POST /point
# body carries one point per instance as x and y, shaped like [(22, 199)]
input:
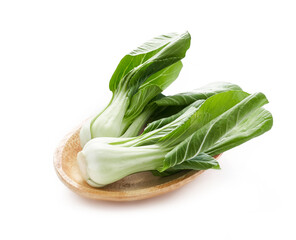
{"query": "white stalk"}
[(110, 122), (102, 163)]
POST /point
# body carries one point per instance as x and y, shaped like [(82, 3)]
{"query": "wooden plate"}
[(134, 187)]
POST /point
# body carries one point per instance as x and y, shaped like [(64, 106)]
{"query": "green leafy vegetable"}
[(138, 79), (188, 140)]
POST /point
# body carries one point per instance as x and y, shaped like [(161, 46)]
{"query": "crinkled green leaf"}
[(153, 86), (219, 126), (202, 161), (164, 121), (200, 93), (257, 123), (138, 56), (170, 54)]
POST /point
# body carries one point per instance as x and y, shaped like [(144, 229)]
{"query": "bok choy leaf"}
[(186, 98)]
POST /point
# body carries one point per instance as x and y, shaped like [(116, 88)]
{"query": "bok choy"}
[(186, 140), (138, 79)]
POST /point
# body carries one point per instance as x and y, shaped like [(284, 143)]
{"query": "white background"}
[(56, 59)]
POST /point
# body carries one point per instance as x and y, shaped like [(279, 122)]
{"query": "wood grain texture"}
[(134, 187)]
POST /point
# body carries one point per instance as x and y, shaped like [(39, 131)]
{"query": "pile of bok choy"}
[(183, 131)]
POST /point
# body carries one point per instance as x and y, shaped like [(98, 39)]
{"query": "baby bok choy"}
[(186, 140), (140, 76)]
